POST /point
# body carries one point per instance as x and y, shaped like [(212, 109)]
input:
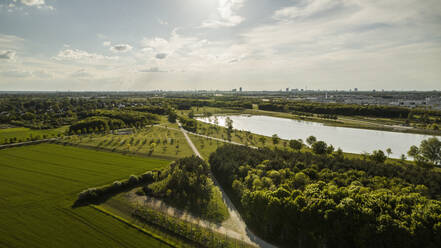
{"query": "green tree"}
[(389, 152), (430, 149), (295, 144), (275, 139), (311, 140), (378, 156), (172, 116), (319, 147), (229, 123)]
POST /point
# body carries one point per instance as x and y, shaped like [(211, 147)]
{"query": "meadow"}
[(39, 185), (152, 141), (21, 134)]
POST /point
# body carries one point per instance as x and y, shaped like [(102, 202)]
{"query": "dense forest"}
[(305, 199)]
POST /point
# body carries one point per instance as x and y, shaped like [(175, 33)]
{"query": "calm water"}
[(349, 139)]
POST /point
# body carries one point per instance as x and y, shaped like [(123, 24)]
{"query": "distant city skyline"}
[(140, 45)]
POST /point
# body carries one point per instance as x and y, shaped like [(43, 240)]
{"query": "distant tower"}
[(287, 89), (240, 89), (355, 89)]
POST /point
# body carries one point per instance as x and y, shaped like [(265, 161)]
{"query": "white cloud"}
[(32, 2), (162, 22), (82, 56), (152, 69), (81, 73), (40, 4), (7, 54), (10, 42), (227, 14), (16, 74), (161, 55), (121, 48)]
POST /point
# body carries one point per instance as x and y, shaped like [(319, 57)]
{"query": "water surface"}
[(352, 140)]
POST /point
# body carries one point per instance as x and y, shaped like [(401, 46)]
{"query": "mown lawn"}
[(22, 134), (38, 185)]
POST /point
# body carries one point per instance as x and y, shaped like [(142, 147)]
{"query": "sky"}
[(110, 45)]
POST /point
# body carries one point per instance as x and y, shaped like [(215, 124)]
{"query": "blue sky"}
[(220, 44)]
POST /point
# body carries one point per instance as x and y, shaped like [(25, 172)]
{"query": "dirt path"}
[(235, 217), (159, 205), (27, 143), (204, 136)]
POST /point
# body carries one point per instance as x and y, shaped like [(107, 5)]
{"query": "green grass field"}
[(40, 183), (24, 134), (165, 142)]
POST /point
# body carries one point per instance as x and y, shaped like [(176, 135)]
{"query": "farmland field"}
[(23, 133), (39, 184)]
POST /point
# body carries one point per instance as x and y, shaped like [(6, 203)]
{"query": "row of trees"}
[(94, 195), (329, 110), (96, 124), (303, 199)]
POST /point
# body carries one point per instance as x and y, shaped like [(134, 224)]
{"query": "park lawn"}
[(39, 184), (165, 140), (238, 136), (24, 134)]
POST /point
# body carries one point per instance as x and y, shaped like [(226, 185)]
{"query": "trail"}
[(204, 136), (27, 143), (247, 235)]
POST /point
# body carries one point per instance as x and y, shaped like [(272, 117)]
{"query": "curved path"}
[(247, 234)]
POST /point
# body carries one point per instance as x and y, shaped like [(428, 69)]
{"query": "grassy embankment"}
[(39, 185), (22, 134)]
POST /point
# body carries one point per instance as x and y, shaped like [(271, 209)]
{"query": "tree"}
[(378, 156), (172, 116), (229, 123), (262, 140), (413, 152), (191, 114), (275, 139), (389, 152), (295, 144), (430, 149), (311, 140), (319, 147)]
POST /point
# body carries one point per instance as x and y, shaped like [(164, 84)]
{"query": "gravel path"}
[(235, 217)]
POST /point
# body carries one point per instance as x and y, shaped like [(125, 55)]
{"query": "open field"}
[(21, 134), (39, 185), (153, 141)]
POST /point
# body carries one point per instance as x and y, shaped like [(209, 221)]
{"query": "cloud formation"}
[(7, 54), (121, 48), (227, 14), (161, 55), (152, 69), (32, 2), (80, 55)]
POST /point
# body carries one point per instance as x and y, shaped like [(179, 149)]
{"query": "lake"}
[(351, 140)]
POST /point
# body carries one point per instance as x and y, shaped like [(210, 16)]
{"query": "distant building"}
[(287, 89), (234, 90), (355, 89), (240, 89)]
